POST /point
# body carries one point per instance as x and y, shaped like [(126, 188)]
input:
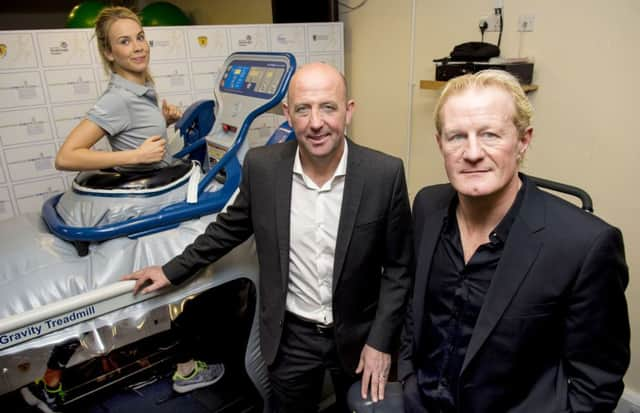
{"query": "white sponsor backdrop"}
[(50, 78)]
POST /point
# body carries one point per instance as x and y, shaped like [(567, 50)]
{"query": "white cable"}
[(192, 186)]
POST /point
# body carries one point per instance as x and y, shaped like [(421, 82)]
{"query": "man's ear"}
[(285, 109), (524, 141), (438, 141), (351, 106)]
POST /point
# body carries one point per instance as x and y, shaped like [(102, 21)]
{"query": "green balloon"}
[(163, 13), (84, 14)]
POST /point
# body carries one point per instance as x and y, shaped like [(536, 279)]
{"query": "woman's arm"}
[(76, 153)]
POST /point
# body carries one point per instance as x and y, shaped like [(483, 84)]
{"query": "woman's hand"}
[(171, 113), (152, 150)]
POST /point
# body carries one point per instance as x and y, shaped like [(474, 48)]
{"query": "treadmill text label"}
[(46, 326)]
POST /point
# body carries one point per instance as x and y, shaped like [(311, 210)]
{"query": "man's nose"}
[(473, 150), (315, 121)]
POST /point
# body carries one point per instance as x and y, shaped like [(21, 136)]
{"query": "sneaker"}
[(39, 395), (203, 375)]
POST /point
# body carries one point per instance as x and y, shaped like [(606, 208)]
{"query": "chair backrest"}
[(585, 199)]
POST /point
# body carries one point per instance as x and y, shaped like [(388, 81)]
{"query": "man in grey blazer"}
[(519, 301), (332, 222)]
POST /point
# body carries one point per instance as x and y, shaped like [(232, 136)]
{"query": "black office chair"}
[(584, 197), (392, 402)]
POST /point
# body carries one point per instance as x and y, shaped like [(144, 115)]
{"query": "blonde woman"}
[(128, 112)]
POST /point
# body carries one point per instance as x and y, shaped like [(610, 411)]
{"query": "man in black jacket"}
[(331, 221), (519, 301)]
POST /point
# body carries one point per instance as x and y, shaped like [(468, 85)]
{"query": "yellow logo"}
[(202, 41), (3, 50)]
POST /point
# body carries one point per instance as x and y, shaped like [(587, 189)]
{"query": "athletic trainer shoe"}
[(39, 395), (203, 375)]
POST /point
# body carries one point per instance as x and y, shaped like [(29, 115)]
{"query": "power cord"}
[(483, 28), (498, 12)]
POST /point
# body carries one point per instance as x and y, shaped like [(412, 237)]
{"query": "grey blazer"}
[(553, 333), (371, 275)]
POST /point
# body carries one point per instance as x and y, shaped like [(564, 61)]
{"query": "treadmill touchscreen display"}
[(253, 78)]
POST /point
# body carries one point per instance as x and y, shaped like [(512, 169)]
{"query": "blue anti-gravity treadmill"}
[(251, 84), (51, 282)]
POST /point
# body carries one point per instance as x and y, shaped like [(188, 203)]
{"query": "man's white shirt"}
[(315, 216)]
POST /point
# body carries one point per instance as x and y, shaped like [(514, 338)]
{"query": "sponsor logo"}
[(247, 41), (159, 43), (62, 48)]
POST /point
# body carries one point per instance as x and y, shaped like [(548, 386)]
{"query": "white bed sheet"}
[(37, 268)]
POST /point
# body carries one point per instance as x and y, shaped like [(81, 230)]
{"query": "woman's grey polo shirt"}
[(129, 114)]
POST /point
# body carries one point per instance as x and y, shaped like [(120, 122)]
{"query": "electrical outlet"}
[(526, 23), (493, 23)]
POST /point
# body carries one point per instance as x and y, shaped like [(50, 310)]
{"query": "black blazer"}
[(553, 333), (371, 275)]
